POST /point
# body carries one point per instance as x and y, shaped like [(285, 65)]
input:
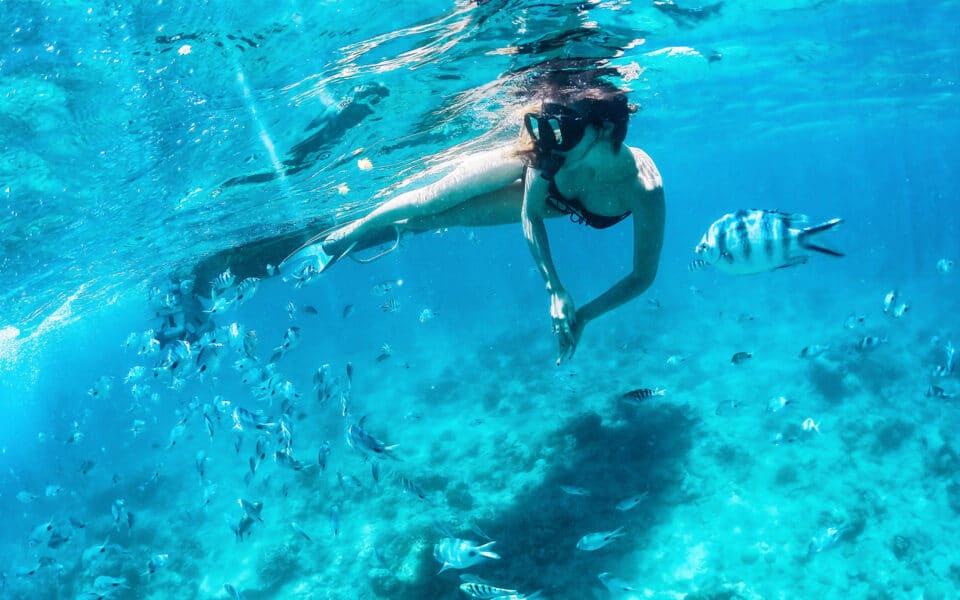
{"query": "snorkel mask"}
[(556, 128)]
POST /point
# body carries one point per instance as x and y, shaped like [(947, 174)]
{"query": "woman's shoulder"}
[(647, 173)]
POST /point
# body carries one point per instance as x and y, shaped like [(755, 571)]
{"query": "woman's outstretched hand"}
[(566, 326)]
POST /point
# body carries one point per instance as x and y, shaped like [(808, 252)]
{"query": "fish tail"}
[(817, 229), (488, 553)]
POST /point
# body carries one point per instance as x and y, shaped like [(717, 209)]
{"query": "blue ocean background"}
[(141, 139)]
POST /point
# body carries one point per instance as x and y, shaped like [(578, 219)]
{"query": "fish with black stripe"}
[(756, 241), (484, 591)]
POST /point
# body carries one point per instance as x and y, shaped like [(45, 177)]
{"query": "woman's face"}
[(594, 137)]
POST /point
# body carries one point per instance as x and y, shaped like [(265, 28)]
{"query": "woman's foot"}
[(339, 241)]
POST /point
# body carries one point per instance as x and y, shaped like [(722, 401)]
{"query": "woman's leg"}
[(494, 208), (500, 207)]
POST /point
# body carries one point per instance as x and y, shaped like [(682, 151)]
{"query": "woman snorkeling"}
[(570, 161)]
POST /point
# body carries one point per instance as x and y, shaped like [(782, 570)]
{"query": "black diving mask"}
[(556, 128)]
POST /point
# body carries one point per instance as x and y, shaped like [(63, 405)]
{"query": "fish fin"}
[(816, 229), (821, 249), (312, 252), (794, 261), (444, 568), (618, 532)]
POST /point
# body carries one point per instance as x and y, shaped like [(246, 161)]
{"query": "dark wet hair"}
[(588, 93)]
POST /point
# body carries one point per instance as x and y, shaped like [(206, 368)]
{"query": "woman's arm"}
[(648, 222), (531, 216), (562, 310)]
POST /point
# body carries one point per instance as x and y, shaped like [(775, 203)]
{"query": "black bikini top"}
[(577, 212)]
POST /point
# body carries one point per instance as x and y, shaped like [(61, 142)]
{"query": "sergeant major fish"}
[(484, 591), (639, 395), (756, 241), (455, 553)]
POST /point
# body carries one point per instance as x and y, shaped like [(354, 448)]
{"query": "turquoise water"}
[(141, 140)]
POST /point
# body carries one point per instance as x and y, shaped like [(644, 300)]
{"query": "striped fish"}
[(483, 591), (755, 241)]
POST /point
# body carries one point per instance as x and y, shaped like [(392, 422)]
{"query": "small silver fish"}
[(825, 539), (348, 483), (456, 553), (335, 519), (201, 464), (243, 418), (384, 287), (869, 342), (410, 487), (631, 502), (322, 384), (675, 360), (251, 509), (156, 562), (935, 391), (614, 584), (366, 444), (741, 357), (813, 351), (208, 424), (777, 404), (286, 460), (105, 583), (595, 541), (889, 300), (323, 455), (26, 497), (301, 531), (243, 527), (944, 265), (854, 321), (574, 490), (291, 339)]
